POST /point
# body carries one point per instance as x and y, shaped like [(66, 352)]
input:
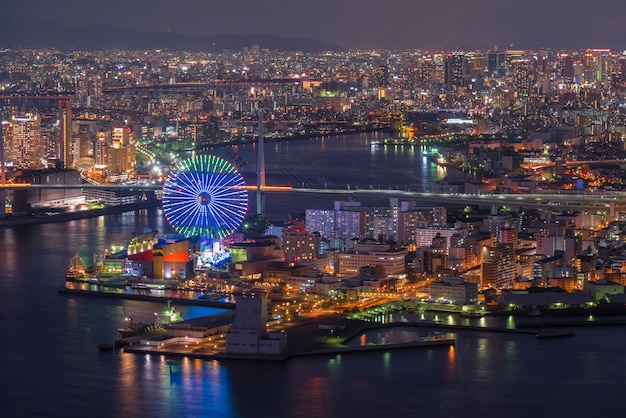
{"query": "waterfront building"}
[(602, 290), (454, 289), (23, 145), (248, 333), (159, 260), (535, 300), (27, 201)]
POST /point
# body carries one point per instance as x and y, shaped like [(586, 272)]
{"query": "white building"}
[(321, 220), (424, 236), (393, 261), (454, 289), (248, 334)]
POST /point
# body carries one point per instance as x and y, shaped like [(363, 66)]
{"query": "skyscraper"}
[(22, 141), (498, 267), (454, 69), (65, 131), (496, 63)]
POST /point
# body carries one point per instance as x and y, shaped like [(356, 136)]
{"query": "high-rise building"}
[(65, 131), (567, 65), (410, 218), (321, 220), (22, 141), (382, 76), (454, 69), (121, 154), (496, 63), (521, 78), (301, 247), (498, 266), (508, 235), (84, 147)]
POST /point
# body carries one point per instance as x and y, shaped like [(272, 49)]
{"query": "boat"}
[(541, 335), (167, 317), (77, 270), (133, 328)]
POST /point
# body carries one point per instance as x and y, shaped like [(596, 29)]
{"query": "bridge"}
[(608, 202)]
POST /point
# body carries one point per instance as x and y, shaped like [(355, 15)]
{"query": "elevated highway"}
[(610, 202)]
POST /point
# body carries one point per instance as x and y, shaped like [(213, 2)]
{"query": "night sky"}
[(401, 24)]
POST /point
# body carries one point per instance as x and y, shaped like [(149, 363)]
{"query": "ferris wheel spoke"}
[(216, 216), (182, 215)]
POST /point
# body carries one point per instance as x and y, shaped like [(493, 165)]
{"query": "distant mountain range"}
[(31, 33)]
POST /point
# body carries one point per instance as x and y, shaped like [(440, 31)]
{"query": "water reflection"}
[(451, 368)]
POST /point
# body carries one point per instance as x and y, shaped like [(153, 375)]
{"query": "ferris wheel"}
[(205, 197)]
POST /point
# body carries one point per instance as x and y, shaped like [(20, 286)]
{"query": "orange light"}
[(15, 185)]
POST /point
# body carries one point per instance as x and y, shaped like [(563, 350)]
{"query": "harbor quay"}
[(326, 334), (305, 337), (320, 333)]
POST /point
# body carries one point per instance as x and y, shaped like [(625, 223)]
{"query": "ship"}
[(133, 328), (77, 270)]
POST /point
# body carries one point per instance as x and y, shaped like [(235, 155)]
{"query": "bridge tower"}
[(3, 179), (260, 174)]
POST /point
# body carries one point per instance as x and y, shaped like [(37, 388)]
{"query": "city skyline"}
[(358, 25)]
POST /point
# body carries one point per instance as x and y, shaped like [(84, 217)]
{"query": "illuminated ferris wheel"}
[(205, 197)]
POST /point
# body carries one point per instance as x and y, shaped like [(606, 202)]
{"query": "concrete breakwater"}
[(147, 298)]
